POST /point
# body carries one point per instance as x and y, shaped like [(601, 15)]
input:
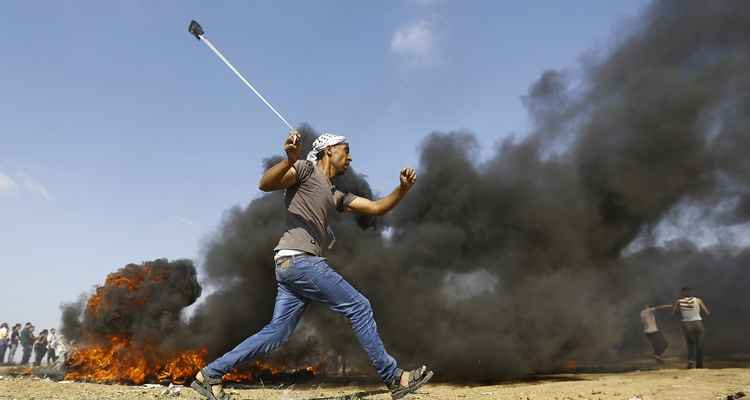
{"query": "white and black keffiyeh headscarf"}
[(323, 141)]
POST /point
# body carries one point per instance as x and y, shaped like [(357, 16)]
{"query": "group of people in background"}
[(691, 310), (46, 343)]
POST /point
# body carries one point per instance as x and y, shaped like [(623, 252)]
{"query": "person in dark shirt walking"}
[(27, 342), (15, 340), (40, 347)]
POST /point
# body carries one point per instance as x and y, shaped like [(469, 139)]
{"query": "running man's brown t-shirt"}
[(308, 203)]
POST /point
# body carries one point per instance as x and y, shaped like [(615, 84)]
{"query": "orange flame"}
[(119, 361), (116, 358)]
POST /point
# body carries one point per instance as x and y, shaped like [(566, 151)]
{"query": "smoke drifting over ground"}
[(546, 251)]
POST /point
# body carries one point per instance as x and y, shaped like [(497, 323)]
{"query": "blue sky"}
[(123, 139)]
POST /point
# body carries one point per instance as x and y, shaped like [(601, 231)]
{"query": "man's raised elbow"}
[(264, 187)]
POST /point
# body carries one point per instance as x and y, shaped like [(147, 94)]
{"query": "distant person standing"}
[(689, 308), (15, 340), (4, 336), (27, 342), (52, 343), (61, 349), (40, 347), (652, 332)]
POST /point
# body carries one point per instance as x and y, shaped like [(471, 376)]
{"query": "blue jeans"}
[(12, 352), (299, 281)]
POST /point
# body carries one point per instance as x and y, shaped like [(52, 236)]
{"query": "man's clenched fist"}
[(293, 146), (408, 177)]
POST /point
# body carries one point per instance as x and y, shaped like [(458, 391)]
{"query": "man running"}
[(690, 309), (303, 274), (652, 332)]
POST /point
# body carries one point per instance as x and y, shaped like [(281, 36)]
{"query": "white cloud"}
[(33, 186), (37, 188), (414, 40), (6, 183)]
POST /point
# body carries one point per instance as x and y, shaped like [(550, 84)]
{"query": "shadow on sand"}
[(353, 396), (533, 379)]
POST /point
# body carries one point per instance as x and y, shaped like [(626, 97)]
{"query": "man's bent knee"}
[(362, 308)]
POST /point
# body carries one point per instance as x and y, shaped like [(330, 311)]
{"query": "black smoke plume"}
[(139, 302), (546, 251)]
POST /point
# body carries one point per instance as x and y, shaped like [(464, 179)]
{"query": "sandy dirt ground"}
[(667, 383)]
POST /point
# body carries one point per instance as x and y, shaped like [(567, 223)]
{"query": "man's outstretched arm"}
[(282, 175), (408, 178)]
